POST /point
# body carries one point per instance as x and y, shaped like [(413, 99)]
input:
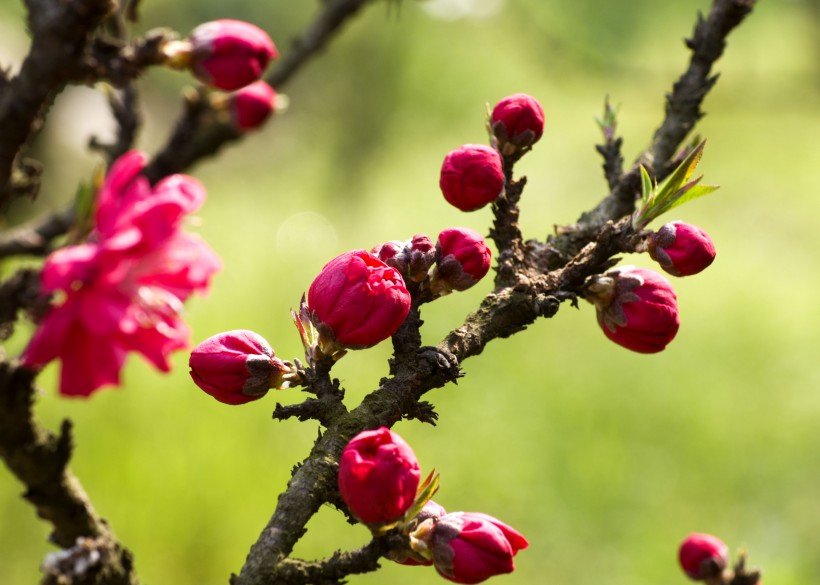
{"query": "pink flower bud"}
[(517, 122), (251, 106), (235, 367), (472, 176), (637, 308), (229, 54), (469, 547), (378, 476), (682, 249), (462, 259), (703, 556), (358, 300)]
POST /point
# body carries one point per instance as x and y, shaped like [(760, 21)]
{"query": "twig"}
[(200, 133), (683, 110), (36, 239)]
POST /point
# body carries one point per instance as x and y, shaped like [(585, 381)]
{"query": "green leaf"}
[(646, 185), (675, 190)]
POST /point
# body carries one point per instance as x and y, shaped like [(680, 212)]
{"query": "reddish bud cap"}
[(462, 258), (703, 556), (358, 300), (472, 176), (251, 106), (517, 122), (637, 308), (470, 547), (229, 54), (682, 249), (235, 367), (378, 476)]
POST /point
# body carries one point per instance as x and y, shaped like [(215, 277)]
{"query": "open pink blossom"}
[(123, 289)]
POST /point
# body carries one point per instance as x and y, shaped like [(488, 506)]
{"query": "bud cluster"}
[(230, 55), (473, 175), (379, 480), (636, 307)]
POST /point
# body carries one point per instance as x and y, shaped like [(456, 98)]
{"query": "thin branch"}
[(683, 110), (36, 239), (334, 14), (200, 133)]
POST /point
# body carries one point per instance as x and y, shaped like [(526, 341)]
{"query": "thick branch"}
[(61, 33), (539, 280), (40, 460)]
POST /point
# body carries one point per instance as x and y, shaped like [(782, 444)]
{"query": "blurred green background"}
[(603, 458)]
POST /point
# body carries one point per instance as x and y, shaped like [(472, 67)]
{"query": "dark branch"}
[(36, 239), (533, 280), (200, 133), (683, 110), (61, 32), (39, 459)]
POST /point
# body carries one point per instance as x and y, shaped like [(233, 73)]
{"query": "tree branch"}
[(534, 278), (40, 460), (683, 110), (61, 32), (200, 133)]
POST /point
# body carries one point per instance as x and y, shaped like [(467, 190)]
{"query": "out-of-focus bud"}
[(378, 476), (636, 307), (517, 122), (703, 556), (236, 367), (462, 259), (682, 249), (472, 176), (251, 106), (470, 547), (419, 555), (229, 54), (357, 301)]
